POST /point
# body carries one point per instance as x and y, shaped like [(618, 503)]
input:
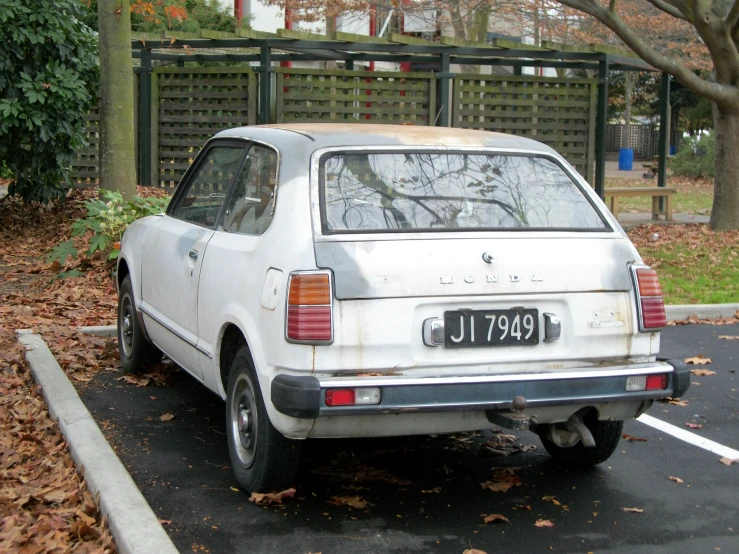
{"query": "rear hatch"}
[(499, 248)]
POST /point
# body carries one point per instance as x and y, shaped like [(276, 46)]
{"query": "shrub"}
[(695, 157), (109, 216), (48, 65)]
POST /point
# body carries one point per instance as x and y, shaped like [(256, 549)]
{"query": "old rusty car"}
[(337, 280)]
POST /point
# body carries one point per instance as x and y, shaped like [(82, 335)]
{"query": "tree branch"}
[(732, 16), (721, 94), (669, 9)]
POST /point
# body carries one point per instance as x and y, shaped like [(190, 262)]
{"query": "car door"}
[(175, 251)]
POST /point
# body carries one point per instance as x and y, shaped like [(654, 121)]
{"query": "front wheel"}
[(135, 350), (262, 458), (606, 435)]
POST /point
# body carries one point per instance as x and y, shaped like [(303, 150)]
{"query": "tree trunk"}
[(117, 157), (725, 212)]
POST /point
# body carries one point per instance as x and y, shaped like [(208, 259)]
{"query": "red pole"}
[(238, 11), (288, 25), (373, 29)]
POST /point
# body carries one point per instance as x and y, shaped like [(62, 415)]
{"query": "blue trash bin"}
[(625, 159), (672, 150)]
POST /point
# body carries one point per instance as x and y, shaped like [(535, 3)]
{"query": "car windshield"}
[(435, 191)]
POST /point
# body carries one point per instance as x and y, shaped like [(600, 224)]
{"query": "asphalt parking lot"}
[(423, 494)]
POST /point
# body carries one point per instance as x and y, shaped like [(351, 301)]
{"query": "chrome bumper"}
[(304, 396)]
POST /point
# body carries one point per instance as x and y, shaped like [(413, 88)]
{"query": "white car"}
[(337, 280)]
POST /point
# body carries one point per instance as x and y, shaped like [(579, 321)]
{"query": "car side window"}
[(251, 205), (206, 192)]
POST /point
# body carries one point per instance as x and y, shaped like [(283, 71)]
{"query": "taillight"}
[(649, 299), (309, 315)]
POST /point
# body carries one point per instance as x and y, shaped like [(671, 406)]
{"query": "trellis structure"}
[(179, 107)]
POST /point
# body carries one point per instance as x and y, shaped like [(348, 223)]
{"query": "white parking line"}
[(687, 436)]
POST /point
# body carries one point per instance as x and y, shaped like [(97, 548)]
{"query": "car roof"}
[(315, 136)]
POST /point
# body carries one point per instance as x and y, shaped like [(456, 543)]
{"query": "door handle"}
[(193, 254)]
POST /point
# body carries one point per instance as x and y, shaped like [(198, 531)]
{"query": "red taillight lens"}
[(340, 397), (651, 305), (656, 382), (308, 317), (309, 323)]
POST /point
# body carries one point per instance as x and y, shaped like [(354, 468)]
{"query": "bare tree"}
[(715, 24)]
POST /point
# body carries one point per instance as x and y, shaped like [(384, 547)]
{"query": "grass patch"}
[(695, 264), (694, 196)]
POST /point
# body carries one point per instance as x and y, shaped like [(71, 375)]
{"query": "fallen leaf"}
[(698, 360), (352, 501), (544, 523), (166, 417), (729, 337), (474, 551), (436, 490), (676, 479), (271, 497), (631, 438), (702, 372), (165, 522), (694, 425), (676, 402), (495, 518), (728, 461), (634, 510), (496, 486)]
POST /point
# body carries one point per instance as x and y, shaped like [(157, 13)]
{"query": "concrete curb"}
[(702, 311), (100, 330), (132, 522)]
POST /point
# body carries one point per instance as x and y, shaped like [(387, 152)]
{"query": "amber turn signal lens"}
[(648, 282), (309, 290)]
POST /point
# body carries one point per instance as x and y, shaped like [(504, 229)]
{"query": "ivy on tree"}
[(48, 72)]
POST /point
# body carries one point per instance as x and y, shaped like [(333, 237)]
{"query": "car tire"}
[(136, 351), (262, 458), (606, 435)]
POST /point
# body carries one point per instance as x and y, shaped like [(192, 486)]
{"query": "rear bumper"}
[(304, 396)]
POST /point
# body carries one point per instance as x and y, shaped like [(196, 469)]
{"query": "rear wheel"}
[(135, 350), (606, 435), (262, 458)]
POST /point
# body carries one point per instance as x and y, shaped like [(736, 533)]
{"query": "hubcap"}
[(243, 418)]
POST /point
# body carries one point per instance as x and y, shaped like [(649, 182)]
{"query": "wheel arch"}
[(232, 339)]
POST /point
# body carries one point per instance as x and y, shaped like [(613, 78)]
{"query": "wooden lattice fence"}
[(557, 111), (314, 95), (189, 106), (86, 166)]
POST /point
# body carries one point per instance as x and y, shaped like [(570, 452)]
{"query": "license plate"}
[(516, 326)]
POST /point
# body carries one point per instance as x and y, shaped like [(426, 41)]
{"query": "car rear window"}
[(441, 191)]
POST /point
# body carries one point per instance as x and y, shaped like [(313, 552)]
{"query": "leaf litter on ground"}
[(44, 503)]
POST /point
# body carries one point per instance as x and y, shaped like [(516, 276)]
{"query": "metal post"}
[(444, 76), (265, 84), (664, 115), (600, 133), (145, 119)]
